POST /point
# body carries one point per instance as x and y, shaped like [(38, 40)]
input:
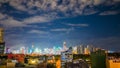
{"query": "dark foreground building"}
[(98, 59)]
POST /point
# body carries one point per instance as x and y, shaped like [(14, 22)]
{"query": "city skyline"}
[(50, 23)]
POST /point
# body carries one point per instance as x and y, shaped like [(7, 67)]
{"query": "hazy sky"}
[(48, 23)]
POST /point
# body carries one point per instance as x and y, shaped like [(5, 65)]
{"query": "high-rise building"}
[(98, 59), (22, 50), (32, 48), (2, 43), (1, 35), (74, 50), (91, 48), (64, 46), (80, 49), (86, 50)]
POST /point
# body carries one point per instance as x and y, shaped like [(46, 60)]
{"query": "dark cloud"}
[(66, 7)]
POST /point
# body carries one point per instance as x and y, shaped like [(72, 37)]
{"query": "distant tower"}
[(32, 48), (80, 49), (64, 46), (87, 50), (2, 43), (23, 50)]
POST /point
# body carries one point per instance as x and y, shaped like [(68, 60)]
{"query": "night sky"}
[(48, 23)]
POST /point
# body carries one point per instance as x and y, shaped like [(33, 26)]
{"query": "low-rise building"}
[(113, 60)]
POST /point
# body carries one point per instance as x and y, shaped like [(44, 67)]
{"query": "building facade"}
[(113, 60), (2, 43), (98, 59), (80, 49)]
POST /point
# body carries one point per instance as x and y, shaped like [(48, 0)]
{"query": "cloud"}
[(36, 19), (65, 7), (3, 1), (9, 21), (38, 32), (90, 11), (67, 30), (55, 10), (79, 25), (2, 16), (61, 29), (116, 0), (17, 4), (109, 13), (98, 2)]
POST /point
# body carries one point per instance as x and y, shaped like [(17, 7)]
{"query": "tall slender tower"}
[(2, 43), (64, 46), (32, 48)]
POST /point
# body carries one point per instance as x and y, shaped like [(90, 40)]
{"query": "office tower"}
[(26, 50), (2, 43), (22, 50), (89, 48), (80, 49), (32, 49), (64, 46), (86, 50), (74, 50)]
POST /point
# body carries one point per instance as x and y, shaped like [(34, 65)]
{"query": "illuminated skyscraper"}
[(80, 49), (86, 50), (64, 46), (22, 49), (74, 50), (90, 48), (32, 49), (2, 43)]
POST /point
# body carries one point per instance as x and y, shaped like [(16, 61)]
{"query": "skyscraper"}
[(64, 46), (75, 50), (1, 35), (80, 49), (32, 48), (2, 43)]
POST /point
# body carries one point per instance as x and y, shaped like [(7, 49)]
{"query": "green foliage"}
[(81, 56), (51, 65)]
